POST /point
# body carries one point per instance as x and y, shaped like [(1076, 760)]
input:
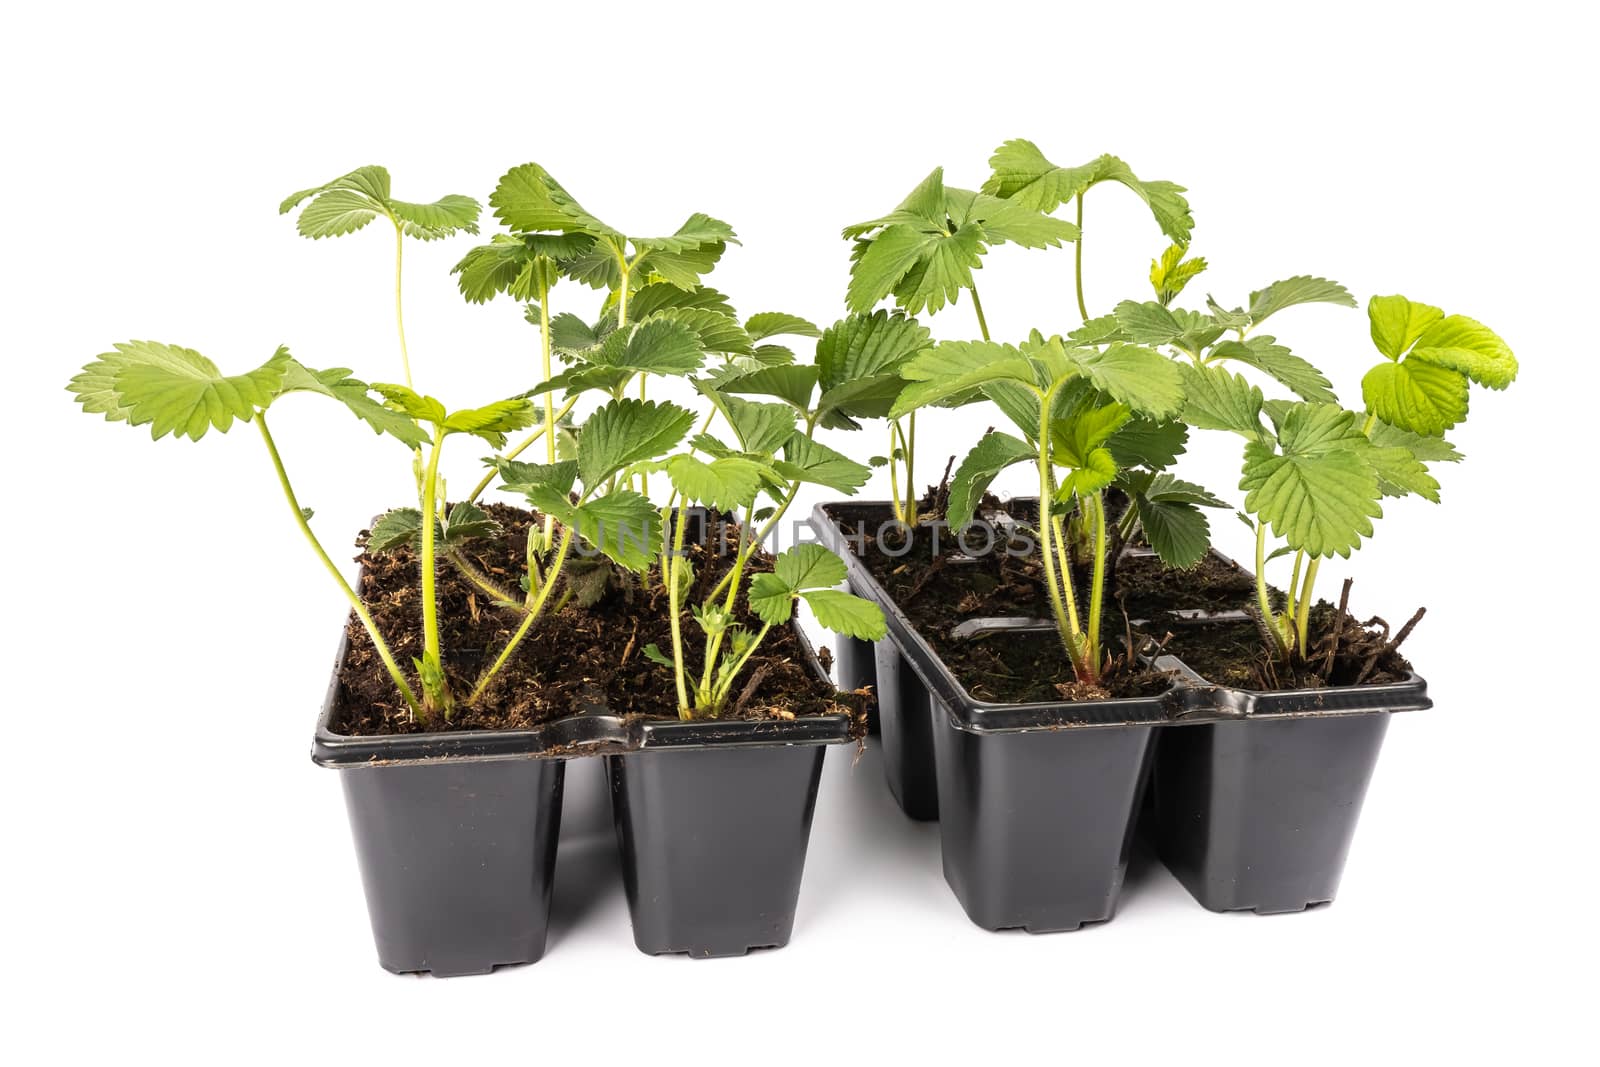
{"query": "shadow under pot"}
[(1258, 813), (455, 835)]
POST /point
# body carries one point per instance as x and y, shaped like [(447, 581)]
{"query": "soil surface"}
[(575, 659), (938, 586), (940, 581)]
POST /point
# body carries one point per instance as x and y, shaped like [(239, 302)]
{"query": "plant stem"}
[(1065, 565), (523, 447), (1077, 263), (1067, 628), (1294, 584), (1097, 588), (472, 574), (721, 695), (685, 712), (1366, 427), (399, 318), (911, 461), (1263, 601), (534, 611), (430, 605), (977, 305), (894, 477), (1303, 620), (360, 609)]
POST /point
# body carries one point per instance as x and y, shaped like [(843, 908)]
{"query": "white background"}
[(180, 878)]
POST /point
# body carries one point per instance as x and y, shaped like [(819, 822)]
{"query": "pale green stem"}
[(1052, 580), (430, 604), (399, 317), (356, 605), (1263, 601), (1303, 621), (472, 574), (1097, 589), (1294, 584), (977, 306), (894, 477), (1366, 427), (1065, 564), (721, 695), (685, 711), (1077, 263), (534, 612)]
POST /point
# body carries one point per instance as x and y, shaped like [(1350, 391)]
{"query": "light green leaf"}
[(622, 524), (1169, 489), (1301, 289), (400, 526), (954, 367), (716, 331), (1148, 323), (776, 324), (1151, 443), (806, 460), (628, 431), (468, 522), (404, 399), (1427, 449), (1467, 346), (370, 181), (993, 453), (529, 200), (175, 390), (445, 216), (1263, 353), (493, 421), (1171, 272), (858, 360), (656, 346), (771, 599), (1022, 173), (1416, 395), (337, 384), (792, 384), (844, 613), (1145, 380), (660, 296), (809, 566), (761, 428), (1396, 323), (1321, 493), (336, 213), (723, 484), (1216, 399), (519, 477), (1401, 473)]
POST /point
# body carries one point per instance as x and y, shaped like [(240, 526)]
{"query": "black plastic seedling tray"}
[(456, 832), (1257, 794)]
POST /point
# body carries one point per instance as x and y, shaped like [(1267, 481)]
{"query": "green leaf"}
[(1023, 174), (337, 384), (401, 526), (1148, 323), (1078, 444), (493, 421), (1144, 442), (404, 399), (622, 524), (1177, 531), (716, 331), (954, 367), (806, 460), (1401, 473), (1396, 323), (529, 200), (858, 360), (761, 428), (1171, 490), (656, 346), (336, 213), (1320, 494), (723, 484), (468, 522), (570, 335), (175, 390), (445, 216), (792, 384), (1216, 399), (1098, 331), (1171, 272), (1301, 289), (809, 566), (1467, 346), (993, 453), (771, 599), (776, 324), (847, 614), (1145, 380), (628, 431), (1416, 395), (519, 477), (661, 296), (370, 181), (1427, 449), (1263, 353)]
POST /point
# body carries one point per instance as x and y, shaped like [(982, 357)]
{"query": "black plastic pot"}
[(1257, 813), (1256, 794)]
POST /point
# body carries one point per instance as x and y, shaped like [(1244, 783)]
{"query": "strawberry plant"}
[(923, 255)]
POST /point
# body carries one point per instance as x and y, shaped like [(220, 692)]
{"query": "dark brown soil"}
[(939, 585), (573, 660)]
